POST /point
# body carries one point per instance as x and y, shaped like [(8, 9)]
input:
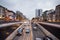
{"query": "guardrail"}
[(8, 24), (50, 24), (47, 33), (12, 35)]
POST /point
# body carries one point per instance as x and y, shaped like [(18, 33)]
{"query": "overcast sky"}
[(27, 7)]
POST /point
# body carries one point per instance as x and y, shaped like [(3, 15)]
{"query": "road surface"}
[(37, 33), (25, 36)]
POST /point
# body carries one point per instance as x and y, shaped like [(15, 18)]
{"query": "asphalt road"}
[(25, 36), (54, 30), (37, 33)]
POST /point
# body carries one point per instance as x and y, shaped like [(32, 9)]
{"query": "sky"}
[(27, 7)]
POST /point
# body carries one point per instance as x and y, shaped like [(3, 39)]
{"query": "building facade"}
[(57, 13), (2, 12), (44, 15), (6, 15), (10, 15), (51, 17), (20, 16), (38, 12)]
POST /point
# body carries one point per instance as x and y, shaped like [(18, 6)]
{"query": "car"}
[(20, 31), (48, 38), (38, 38), (28, 25), (27, 30), (24, 25), (35, 28)]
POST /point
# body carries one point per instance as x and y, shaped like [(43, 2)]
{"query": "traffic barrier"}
[(13, 34), (8, 24), (47, 33), (50, 24)]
